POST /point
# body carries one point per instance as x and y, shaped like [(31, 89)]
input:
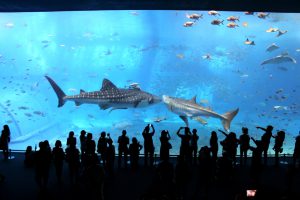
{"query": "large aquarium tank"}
[(145, 67)]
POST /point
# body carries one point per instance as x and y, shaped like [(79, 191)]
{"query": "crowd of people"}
[(95, 160)]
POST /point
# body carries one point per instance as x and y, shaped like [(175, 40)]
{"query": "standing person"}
[(279, 138), (244, 145), (58, 158), (102, 147), (110, 156), (71, 139), (42, 165), (296, 154), (82, 139), (256, 160), (185, 143), (148, 144), (194, 145), (90, 145), (214, 145), (230, 145), (123, 141), (134, 151), (4, 140), (72, 158), (165, 145), (265, 140)]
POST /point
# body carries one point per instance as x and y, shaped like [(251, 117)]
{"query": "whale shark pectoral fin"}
[(185, 119), (199, 119), (77, 103), (104, 107), (115, 109), (136, 103)]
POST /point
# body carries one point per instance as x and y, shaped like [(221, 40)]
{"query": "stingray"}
[(283, 58), (272, 47)]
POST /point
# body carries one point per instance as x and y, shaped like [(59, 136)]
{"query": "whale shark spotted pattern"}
[(109, 96)]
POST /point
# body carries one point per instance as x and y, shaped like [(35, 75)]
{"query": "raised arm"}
[(168, 135), (179, 131), (258, 127), (255, 141), (223, 132), (153, 130)]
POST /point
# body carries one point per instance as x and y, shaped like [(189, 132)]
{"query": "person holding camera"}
[(185, 149), (148, 144), (165, 145)]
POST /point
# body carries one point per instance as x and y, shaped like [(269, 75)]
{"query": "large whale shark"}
[(109, 96), (189, 108)]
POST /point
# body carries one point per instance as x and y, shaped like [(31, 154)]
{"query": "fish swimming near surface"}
[(109, 96), (189, 108), (272, 47), (282, 58)]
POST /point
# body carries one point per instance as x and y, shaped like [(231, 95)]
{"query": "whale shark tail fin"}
[(60, 94), (228, 117)]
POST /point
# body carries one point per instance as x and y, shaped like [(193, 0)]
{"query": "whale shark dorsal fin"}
[(108, 85), (194, 99), (82, 91)]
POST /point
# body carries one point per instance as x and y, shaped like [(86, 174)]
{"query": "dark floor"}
[(20, 183)]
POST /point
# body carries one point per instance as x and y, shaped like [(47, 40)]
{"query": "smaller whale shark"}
[(189, 108), (109, 96)]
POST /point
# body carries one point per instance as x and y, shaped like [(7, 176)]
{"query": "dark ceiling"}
[(230, 5)]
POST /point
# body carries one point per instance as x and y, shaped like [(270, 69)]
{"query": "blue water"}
[(154, 49)]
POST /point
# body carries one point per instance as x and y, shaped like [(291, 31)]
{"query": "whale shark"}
[(109, 96), (282, 58), (189, 108)]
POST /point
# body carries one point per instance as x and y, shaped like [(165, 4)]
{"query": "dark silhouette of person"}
[(90, 145), (165, 145), (82, 139), (164, 187), (29, 157), (256, 164), (58, 156), (73, 160), (244, 142), (123, 141), (134, 151), (181, 176), (224, 168), (296, 154), (194, 145), (110, 156), (214, 145), (206, 168), (42, 165), (185, 150), (148, 144), (230, 145), (71, 139), (265, 139), (102, 147), (279, 139), (4, 141)]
